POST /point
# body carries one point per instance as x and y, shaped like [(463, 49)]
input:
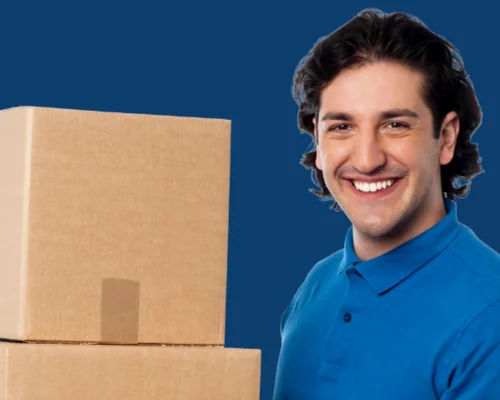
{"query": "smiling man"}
[(410, 307)]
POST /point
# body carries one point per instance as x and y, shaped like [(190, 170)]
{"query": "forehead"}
[(368, 89)]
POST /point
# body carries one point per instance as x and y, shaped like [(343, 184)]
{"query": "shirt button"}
[(347, 317)]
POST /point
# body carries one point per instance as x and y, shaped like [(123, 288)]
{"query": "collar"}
[(386, 271)]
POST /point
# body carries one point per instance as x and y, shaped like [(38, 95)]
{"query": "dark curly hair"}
[(373, 36)]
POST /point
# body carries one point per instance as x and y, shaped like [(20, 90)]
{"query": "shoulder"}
[(318, 276), (325, 267), (479, 262)]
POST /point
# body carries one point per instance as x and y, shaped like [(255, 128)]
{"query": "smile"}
[(371, 187)]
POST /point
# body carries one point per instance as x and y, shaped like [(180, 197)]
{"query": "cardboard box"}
[(92, 372), (113, 227)]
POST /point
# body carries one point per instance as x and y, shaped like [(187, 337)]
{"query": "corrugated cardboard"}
[(92, 372), (113, 227)]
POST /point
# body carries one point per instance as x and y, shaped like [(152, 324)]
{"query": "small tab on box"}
[(120, 311)]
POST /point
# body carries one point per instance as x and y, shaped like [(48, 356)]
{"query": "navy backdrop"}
[(236, 61)]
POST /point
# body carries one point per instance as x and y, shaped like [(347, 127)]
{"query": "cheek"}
[(332, 154), (417, 157), (405, 149)]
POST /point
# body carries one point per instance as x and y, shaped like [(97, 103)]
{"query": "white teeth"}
[(373, 186)]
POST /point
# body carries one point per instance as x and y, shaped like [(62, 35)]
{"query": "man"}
[(410, 307)]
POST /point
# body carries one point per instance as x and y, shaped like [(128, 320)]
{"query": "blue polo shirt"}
[(419, 322)]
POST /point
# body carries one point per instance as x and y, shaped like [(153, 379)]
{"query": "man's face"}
[(377, 149)]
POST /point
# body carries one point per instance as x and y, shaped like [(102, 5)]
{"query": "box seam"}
[(6, 373), (26, 211)]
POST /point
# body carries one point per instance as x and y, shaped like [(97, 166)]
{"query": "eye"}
[(396, 125), (340, 127)]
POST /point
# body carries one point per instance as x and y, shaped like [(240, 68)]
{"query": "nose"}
[(368, 153)]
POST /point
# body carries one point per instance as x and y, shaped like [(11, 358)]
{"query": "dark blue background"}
[(235, 60)]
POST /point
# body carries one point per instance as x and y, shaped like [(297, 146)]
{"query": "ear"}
[(448, 137), (319, 164)]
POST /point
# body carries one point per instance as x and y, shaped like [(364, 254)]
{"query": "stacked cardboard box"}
[(113, 250)]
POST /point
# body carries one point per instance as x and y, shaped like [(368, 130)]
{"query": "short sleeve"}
[(474, 368), (288, 309)]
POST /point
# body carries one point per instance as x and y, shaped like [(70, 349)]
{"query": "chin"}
[(375, 229), (374, 232)]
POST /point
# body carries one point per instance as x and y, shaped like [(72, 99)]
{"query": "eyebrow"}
[(399, 112)]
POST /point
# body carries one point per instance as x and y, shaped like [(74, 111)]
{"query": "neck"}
[(367, 247)]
